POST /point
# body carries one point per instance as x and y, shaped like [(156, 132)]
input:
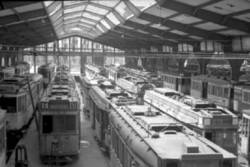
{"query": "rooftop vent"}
[(191, 148), (155, 135), (149, 112)]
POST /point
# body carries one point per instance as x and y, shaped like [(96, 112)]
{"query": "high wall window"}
[(68, 55)]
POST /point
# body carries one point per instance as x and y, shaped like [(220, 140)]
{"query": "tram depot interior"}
[(125, 83)]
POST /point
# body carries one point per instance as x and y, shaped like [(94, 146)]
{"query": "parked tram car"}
[(91, 70), (178, 82), (209, 120), (114, 73), (48, 73), (142, 136), (59, 119), (62, 68), (15, 98), (245, 134), (101, 96), (134, 85), (90, 79), (2, 138), (6, 72), (146, 75), (64, 78), (232, 95)]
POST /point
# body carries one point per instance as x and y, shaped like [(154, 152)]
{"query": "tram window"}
[(208, 135), (58, 123), (172, 164), (70, 123), (227, 163), (47, 123), (8, 103)]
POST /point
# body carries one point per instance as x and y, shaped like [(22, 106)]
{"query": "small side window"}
[(47, 124)]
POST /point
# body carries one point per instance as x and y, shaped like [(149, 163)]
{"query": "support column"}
[(6, 60), (144, 62), (92, 53), (34, 61), (83, 62), (203, 65), (46, 51), (235, 64)]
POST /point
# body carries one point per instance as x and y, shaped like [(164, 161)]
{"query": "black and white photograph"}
[(125, 83)]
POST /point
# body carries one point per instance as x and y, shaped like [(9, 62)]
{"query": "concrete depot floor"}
[(90, 154)]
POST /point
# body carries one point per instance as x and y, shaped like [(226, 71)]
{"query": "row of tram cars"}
[(20, 95), (217, 87), (137, 133), (18, 89), (59, 120)]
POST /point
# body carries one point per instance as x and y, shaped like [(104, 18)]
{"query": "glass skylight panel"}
[(90, 16), (100, 28), (54, 8), (96, 31), (67, 3), (72, 16), (105, 24), (97, 10), (113, 18), (71, 21), (75, 29), (85, 25), (123, 10), (56, 15), (143, 4), (75, 9), (108, 3), (87, 22), (47, 3), (58, 21)]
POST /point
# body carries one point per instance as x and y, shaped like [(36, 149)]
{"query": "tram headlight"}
[(235, 121), (207, 121)]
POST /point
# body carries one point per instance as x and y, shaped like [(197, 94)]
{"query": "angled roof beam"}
[(132, 8), (51, 23), (20, 36), (205, 15), (100, 6), (27, 24), (183, 27), (114, 35), (145, 37), (165, 34)]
